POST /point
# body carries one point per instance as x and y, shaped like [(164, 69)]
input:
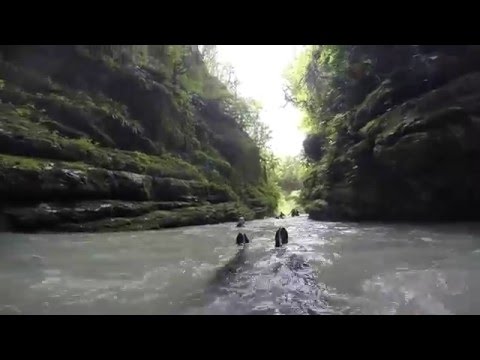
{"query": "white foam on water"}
[(326, 268)]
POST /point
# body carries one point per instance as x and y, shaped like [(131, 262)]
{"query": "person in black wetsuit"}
[(281, 237), (241, 222), (242, 239)]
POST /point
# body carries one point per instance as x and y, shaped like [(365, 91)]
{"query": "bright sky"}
[(259, 69)]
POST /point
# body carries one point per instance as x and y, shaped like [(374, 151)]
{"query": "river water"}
[(327, 268)]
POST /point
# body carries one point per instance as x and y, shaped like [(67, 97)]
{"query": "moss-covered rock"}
[(411, 152), (198, 215), (50, 215), (120, 136), (21, 133)]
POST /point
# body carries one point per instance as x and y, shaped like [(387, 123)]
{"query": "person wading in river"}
[(281, 237), (241, 222), (242, 239)]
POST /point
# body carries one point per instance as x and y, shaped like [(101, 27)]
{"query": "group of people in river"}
[(293, 213), (281, 235), (281, 238)]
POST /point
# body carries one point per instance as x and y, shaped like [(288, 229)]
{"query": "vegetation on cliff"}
[(391, 130), (142, 124), (289, 174)]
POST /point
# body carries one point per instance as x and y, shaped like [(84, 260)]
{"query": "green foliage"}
[(289, 201), (167, 165), (271, 194), (266, 195), (210, 164), (209, 55), (314, 80), (95, 113), (20, 162), (290, 173), (201, 74), (326, 80), (19, 122)]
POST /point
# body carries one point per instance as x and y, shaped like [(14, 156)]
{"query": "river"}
[(327, 268)]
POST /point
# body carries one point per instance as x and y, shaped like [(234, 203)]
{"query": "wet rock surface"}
[(409, 150)]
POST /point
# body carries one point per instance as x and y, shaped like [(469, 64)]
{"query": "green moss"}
[(65, 127), (207, 214), (97, 114), (209, 164), (29, 163), (265, 196), (167, 165), (223, 189), (8, 161), (20, 122), (98, 105)]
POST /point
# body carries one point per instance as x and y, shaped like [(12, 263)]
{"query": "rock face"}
[(410, 150), (92, 143)]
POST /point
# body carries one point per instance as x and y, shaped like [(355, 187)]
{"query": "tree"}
[(209, 56), (290, 173), (226, 74)]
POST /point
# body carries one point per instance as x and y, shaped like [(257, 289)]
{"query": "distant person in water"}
[(281, 237), (294, 212), (241, 222), (242, 239)]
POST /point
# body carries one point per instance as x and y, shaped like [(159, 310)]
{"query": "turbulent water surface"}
[(327, 268)]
